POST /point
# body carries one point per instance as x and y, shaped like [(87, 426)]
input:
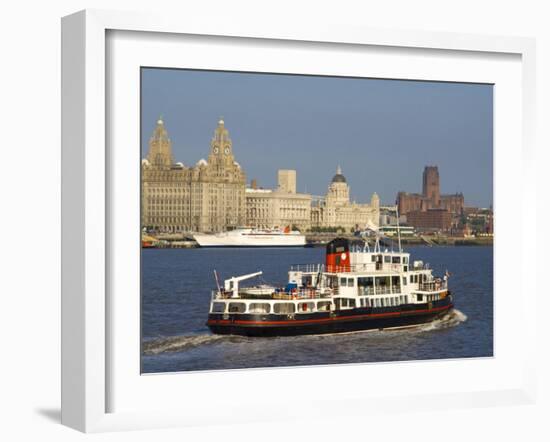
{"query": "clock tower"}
[(221, 148)]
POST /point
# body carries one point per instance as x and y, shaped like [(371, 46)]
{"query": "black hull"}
[(321, 323)]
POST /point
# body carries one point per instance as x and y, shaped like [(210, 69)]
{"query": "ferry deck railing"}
[(295, 294), (371, 267), (432, 286)]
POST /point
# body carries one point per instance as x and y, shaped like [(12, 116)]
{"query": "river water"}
[(176, 285)]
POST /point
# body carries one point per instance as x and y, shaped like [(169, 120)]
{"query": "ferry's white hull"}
[(238, 240)]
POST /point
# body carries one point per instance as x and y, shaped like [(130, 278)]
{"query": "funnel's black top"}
[(338, 245)]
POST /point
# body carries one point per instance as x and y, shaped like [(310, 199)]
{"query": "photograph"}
[(300, 220)]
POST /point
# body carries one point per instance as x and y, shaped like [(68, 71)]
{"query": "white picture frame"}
[(87, 208)]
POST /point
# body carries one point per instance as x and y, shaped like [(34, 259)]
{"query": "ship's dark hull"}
[(324, 322)]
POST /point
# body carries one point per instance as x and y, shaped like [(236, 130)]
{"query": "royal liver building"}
[(208, 197)]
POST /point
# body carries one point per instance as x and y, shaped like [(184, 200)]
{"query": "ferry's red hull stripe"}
[(338, 318)]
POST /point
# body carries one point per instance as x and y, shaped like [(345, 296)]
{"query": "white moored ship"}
[(249, 237)]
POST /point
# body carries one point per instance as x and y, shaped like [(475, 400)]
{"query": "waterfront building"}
[(207, 197), (286, 180), (388, 216), (431, 197), (394, 230), (480, 219), (336, 209), (280, 207), (430, 219), (426, 210)]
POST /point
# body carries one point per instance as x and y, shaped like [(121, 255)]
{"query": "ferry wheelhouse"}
[(357, 288)]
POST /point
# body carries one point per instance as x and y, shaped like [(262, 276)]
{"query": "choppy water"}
[(176, 293)]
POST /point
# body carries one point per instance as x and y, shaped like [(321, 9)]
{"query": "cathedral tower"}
[(430, 185)]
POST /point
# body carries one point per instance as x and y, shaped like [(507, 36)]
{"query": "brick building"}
[(430, 200), (436, 219)]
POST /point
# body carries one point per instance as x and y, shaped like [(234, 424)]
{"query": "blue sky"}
[(381, 132)]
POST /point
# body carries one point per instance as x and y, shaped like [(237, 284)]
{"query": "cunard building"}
[(208, 197)]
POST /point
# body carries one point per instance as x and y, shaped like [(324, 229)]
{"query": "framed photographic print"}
[(305, 213), (228, 262)]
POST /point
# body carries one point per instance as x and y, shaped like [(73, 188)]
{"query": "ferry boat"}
[(249, 237), (357, 288)]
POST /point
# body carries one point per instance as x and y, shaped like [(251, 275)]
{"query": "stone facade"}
[(211, 196), (208, 197), (336, 209), (266, 208)]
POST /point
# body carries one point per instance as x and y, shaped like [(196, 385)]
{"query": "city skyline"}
[(327, 126)]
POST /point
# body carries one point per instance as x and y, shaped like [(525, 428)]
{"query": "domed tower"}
[(160, 147), (338, 190), (221, 147)]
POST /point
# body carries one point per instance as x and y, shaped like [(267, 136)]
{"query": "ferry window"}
[(351, 302), (405, 260), (419, 298), (366, 284), (237, 307), (323, 306), (373, 258), (396, 260), (306, 307), (259, 307), (387, 258), (405, 268), (343, 282), (395, 281), (350, 282), (412, 278), (344, 302), (218, 307), (284, 308)]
